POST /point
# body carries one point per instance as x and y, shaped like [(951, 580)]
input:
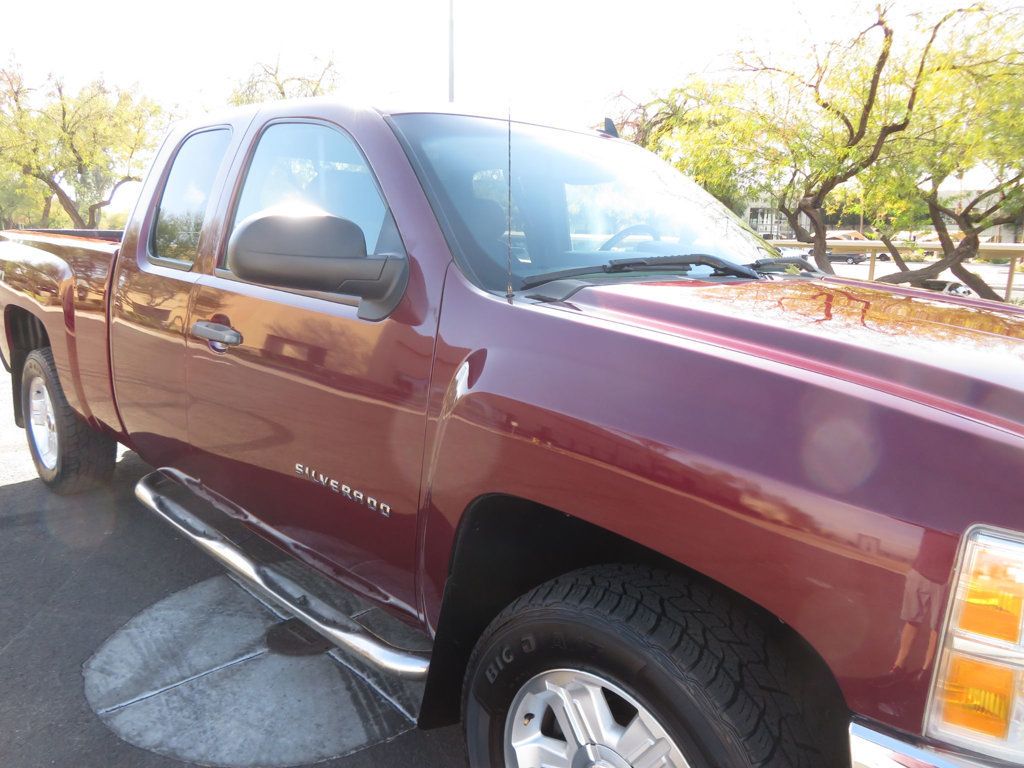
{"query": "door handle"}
[(219, 335)]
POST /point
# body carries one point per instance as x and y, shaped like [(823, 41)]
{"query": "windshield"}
[(577, 200)]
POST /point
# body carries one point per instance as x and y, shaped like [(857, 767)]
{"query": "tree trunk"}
[(799, 230), (44, 220), (96, 209), (952, 259), (952, 256), (69, 205), (974, 282), (817, 217), (897, 257)]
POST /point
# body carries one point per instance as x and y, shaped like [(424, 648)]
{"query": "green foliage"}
[(26, 202), (886, 195), (76, 147), (704, 130), (114, 219), (797, 137), (972, 120), (968, 124)]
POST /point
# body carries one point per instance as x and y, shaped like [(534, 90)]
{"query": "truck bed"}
[(112, 235), (55, 282)]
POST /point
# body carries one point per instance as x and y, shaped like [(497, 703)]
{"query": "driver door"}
[(314, 421)]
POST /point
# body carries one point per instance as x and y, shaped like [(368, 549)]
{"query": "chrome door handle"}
[(217, 333)]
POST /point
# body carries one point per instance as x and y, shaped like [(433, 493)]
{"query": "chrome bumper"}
[(873, 749)]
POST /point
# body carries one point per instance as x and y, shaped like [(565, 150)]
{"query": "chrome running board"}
[(268, 580)]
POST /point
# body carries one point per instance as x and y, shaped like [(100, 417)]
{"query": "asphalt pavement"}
[(82, 576)]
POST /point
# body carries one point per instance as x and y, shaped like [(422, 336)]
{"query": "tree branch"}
[(69, 205), (95, 208), (876, 76)]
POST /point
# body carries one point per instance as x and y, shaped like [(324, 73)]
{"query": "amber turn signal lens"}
[(993, 603), (978, 696)]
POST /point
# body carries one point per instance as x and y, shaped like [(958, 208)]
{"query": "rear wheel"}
[(624, 666), (70, 456)]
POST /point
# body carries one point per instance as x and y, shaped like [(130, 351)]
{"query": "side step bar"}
[(320, 616)]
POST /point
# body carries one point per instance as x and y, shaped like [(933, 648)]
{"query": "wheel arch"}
[(506, 545), (25, 333)]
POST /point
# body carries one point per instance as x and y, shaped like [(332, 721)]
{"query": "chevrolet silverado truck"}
[(656, 496)]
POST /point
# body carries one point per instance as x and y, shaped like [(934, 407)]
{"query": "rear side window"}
[(186, 195), (308, 165)]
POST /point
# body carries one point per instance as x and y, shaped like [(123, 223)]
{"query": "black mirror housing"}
[(316, 252)]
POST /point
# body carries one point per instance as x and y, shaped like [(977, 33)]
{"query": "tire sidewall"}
[(540, 640), (35, 366)]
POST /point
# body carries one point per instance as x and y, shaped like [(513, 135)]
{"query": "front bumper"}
[(873, 749)]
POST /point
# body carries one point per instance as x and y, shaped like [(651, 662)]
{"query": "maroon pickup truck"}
[(656, 497)]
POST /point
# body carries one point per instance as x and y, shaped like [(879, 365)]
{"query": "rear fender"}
[(39, 284)]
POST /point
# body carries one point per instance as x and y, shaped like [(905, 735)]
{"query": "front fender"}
[(822, 501)]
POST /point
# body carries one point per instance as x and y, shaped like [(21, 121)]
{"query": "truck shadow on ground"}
[(75, 570)]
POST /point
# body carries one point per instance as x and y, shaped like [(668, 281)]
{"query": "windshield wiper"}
[(720, 265), (796, 261)]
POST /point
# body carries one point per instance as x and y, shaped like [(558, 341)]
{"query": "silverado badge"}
[(350, 493)]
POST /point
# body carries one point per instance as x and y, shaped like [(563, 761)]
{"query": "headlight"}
[(978, 695)]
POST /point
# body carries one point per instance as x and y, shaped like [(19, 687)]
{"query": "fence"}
[(1013, 251)]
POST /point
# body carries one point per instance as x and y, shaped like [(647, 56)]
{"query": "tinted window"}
[(300, 164), (179, 219)]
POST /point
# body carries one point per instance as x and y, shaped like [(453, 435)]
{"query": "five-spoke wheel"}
[(42, 422), (567, 718)]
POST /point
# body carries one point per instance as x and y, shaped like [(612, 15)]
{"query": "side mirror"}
[(317, 252)]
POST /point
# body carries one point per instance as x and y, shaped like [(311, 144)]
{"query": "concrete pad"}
[(182, 636), (191, 678), (267, 710)]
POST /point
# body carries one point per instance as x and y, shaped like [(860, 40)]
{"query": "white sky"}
[(561, 60)]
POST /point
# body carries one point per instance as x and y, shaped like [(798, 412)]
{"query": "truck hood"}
[(964, 356)]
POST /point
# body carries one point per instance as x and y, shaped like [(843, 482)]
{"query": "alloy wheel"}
[(43, 423), (567, 718)]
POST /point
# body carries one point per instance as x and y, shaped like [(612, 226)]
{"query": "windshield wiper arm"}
[(647, 262), (686, 259), (796, 261)]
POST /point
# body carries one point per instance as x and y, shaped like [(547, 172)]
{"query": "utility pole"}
[(451, 50)]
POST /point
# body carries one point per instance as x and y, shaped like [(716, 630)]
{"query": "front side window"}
[(186, 195), (576, 200), (302, 165)]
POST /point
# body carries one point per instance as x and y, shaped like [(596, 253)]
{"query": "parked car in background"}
[(848, 258), (947, 286), (652, 501)]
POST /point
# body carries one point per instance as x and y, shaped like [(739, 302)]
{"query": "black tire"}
[(851, 260), (695, 659), (85, 457)]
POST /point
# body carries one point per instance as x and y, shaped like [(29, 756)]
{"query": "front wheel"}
[(70, 456), (625, 667)]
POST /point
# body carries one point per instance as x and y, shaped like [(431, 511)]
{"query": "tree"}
[(970, 121), (26, 202), (796, 135), (887, 197), (267, 82), (858, 97), (81, 147)]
